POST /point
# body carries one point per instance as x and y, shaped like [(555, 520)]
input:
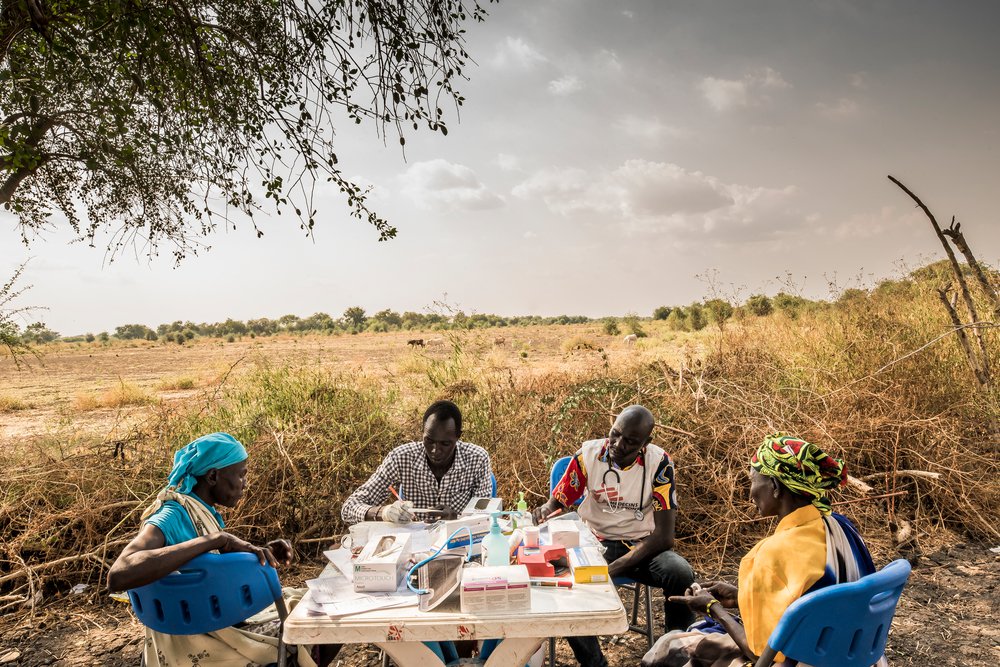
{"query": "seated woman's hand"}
[(282, 551), (727, 594), (695, 598), (229, 543)]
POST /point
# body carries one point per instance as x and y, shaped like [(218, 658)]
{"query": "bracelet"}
[(708, 608)]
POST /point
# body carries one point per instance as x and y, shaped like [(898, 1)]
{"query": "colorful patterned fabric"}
[(573, 485), (608, 496), (212, 451), (801, 466)]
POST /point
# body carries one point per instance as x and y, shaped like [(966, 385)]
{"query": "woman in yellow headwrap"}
[(809, 549)]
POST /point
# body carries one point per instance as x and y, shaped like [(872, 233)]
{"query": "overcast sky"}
[(608, 154)]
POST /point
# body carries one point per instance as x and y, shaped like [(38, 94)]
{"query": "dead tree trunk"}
[(978, 361), (954, 232)]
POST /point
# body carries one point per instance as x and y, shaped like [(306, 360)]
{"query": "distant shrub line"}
[(693, 317)]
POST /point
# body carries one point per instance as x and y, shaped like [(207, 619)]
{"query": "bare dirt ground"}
[(947, 617), (51, 387)]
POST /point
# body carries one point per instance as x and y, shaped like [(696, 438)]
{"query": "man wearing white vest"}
[(630, 502)]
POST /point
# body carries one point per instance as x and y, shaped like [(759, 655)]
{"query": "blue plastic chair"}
[(639, 591), (493, 488), (845, 625), (210, 592)]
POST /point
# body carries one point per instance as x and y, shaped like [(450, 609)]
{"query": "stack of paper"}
[(335, 596)]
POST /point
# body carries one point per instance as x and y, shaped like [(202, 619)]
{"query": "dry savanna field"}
[(87, 429)]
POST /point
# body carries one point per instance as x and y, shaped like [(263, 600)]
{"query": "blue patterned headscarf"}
[(215, 450)]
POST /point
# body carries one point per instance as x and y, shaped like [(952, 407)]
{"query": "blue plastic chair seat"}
[(210, 592), (845, 625)]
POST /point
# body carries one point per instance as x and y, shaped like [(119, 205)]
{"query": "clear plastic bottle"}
[(495, 550)]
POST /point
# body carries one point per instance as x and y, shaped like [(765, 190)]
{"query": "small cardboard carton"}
[(564, 533), (482, 506), (495, 589), (588, 565), (541, 560), (381, 564)]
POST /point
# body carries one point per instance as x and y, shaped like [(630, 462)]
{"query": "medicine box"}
[(381, 564), (478, 524), (495, 589), (564, 533), (588, 565), (482, 506)]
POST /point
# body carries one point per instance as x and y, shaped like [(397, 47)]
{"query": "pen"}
[(562, 583), (554, 514)]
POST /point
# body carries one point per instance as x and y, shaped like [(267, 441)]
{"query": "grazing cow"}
[(415, 342), (630, 339), (433, 341), (499, 341)]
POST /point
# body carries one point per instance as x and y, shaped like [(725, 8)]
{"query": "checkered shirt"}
[(406, 468)]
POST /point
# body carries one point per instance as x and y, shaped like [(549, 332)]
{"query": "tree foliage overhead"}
[(155, 121)]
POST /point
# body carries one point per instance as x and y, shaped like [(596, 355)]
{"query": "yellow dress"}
[(778, 571)]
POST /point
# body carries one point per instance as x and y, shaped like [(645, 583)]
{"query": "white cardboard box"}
[(564, 533), (495, 589), (380, 565), (482, 506)]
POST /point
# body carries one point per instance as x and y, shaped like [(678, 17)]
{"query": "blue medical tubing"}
[(468, 555)]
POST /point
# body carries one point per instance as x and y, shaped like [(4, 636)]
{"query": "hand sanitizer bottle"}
[(495, 544)]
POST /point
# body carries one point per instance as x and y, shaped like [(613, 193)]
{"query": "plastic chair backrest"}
[(558, 470), (210, 592), (493, 482), (844, 625)]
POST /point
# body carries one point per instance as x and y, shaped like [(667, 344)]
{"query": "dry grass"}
[(578, 343), (842, 377), (176, 384), (123, 395), (13, 404)]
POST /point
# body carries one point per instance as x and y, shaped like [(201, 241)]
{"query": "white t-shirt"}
[(611, 495)]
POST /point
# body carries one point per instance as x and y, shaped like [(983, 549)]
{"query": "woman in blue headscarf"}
[(182, 523)]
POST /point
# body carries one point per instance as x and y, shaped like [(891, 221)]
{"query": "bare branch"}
[(983, 372), (954, 232)]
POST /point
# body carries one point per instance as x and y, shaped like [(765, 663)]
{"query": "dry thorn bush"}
[(841, 377)]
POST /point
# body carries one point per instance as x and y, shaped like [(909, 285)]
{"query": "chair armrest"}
[(766, 658)]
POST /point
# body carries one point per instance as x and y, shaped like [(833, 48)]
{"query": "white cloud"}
[(566, 85), (887, 219), (563, 190), (508, 162), (515, 52), (859, 80), (439, 184), (751, 90), (648, 129), (608, 61), (645, 196), (842, 108)]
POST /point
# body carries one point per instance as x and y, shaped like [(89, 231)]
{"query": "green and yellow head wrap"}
[(801, 466)]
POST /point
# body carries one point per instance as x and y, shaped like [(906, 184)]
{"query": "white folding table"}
[(585, 609)]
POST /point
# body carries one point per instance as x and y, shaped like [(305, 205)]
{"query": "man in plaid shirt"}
[(440, 472)]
